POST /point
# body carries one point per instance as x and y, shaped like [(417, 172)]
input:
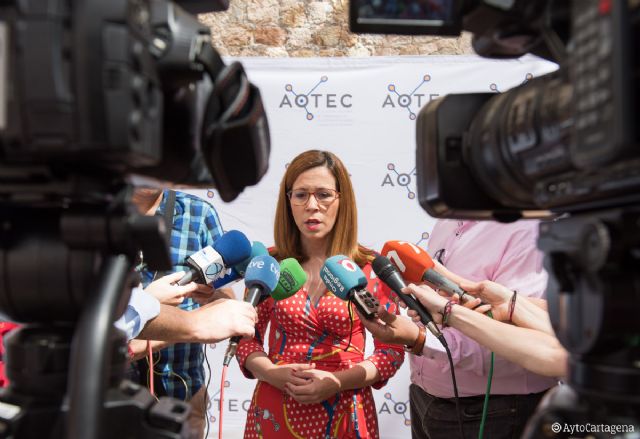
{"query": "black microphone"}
[(389, 274)]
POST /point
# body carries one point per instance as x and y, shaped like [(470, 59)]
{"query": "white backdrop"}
[(364, 111)]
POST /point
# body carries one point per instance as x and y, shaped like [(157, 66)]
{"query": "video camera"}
[(126, 88), (564, 146), (96, 96)]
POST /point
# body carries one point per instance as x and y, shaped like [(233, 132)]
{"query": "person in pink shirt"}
[(506, 254)]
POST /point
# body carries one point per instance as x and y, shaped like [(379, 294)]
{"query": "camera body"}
[(564, 142), (565, 147), (123, 89), (96, 96)]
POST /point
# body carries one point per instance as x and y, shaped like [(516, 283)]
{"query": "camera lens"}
[(520, 137)]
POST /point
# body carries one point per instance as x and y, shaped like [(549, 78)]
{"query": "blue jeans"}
[(436, 418)]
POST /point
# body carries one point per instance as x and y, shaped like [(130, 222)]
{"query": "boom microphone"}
[(260, 278), (416, 266), (389, 274), (346, 280), (209, 264)]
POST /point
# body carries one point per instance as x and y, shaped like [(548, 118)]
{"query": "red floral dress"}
[(304, 332)]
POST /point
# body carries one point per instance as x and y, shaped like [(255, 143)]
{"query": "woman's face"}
[(315, 219)]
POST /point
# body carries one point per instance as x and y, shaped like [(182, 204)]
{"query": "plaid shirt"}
[(195, 225)]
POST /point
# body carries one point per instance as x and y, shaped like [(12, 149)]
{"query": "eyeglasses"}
[(439, 255), (300, 197)]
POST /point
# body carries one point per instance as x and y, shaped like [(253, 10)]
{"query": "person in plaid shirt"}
[(195, 225)]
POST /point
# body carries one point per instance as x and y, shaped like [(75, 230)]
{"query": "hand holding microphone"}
[(389, 274), (210, 263), (261, 278), (218, 321), (264, 277), (168, 292), (416, 266)]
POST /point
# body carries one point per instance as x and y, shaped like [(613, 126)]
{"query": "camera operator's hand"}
[(169, 294)]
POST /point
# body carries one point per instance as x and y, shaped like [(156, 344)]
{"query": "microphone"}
[(416, 266), (260, 278), (389, 274), (292, 278), (208, 264), (236, 272), (346, 280)]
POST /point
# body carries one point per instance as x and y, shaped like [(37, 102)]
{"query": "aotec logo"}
[(423, 237), (397, 408), (413, 99), (312, 100), (402, 179)]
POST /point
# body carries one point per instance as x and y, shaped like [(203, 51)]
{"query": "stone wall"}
[(306, 28)]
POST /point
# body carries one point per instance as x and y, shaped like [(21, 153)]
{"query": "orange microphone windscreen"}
[(411, 260)]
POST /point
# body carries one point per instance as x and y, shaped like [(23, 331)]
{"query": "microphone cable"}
[(485, 406), (222, 382), (150, 363), (206, 398), (443, 341)]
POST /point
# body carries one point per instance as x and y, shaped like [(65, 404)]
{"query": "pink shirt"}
[(504, 253)]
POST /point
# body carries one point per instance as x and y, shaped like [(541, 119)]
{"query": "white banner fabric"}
[(364, 111)]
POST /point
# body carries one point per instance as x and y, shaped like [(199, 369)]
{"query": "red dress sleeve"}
[(248, 346)]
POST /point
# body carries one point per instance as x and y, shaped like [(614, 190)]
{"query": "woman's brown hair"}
[(343, 239)]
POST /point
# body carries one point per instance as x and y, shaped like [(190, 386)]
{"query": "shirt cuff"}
[(141, 308)]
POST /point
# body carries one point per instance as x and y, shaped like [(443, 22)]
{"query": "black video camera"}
[(97, 96), (126, 88), (567, 141), (564, 146), (564, 142)]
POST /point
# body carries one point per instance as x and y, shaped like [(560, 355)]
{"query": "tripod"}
[(594, 294)]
